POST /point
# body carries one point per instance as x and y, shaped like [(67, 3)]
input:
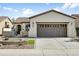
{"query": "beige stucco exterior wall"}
[(2, 25), (52, 17)]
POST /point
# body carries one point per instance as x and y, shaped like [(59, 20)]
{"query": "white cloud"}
[(27, 12), (23, 12), (66, 5), (74, 5), (15, 10), (6, 8), (63, 8), (10, 9), (60, 10), (70, 5)]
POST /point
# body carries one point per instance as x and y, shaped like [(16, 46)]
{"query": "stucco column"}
[(23, 26), (71, 32), (33, 29)]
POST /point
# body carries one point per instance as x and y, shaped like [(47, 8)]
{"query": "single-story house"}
[(51, 23), (6, 26)]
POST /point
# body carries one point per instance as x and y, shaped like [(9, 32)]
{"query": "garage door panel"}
[(51, 30)]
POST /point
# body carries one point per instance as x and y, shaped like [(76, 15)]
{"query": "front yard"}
[(18, 43)]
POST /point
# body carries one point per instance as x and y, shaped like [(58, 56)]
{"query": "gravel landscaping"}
[(17, 47), (17, 43)]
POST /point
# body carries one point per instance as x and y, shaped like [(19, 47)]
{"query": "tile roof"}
[(21, 20)]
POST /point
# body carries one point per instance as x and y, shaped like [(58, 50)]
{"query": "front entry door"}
[(18, 29)]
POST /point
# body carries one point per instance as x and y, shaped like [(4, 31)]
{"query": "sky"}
[(14, 10)]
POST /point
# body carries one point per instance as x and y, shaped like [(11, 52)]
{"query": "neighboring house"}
[(76, 23), (52, 24), (5, 26), (21, 26)]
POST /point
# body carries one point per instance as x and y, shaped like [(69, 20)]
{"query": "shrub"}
[(30, 42)]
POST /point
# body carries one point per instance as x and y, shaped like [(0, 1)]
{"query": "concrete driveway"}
[(47, 47)]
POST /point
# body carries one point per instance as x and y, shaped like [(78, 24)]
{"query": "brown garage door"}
[(52, 30)]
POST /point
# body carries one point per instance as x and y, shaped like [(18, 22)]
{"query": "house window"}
[(6, 24)]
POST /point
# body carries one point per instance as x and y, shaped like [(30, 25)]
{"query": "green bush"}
[(31, 42)]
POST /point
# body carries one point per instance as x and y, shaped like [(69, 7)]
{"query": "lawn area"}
[(30, 41)]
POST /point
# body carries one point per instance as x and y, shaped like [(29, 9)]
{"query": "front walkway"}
[(47, 47)]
